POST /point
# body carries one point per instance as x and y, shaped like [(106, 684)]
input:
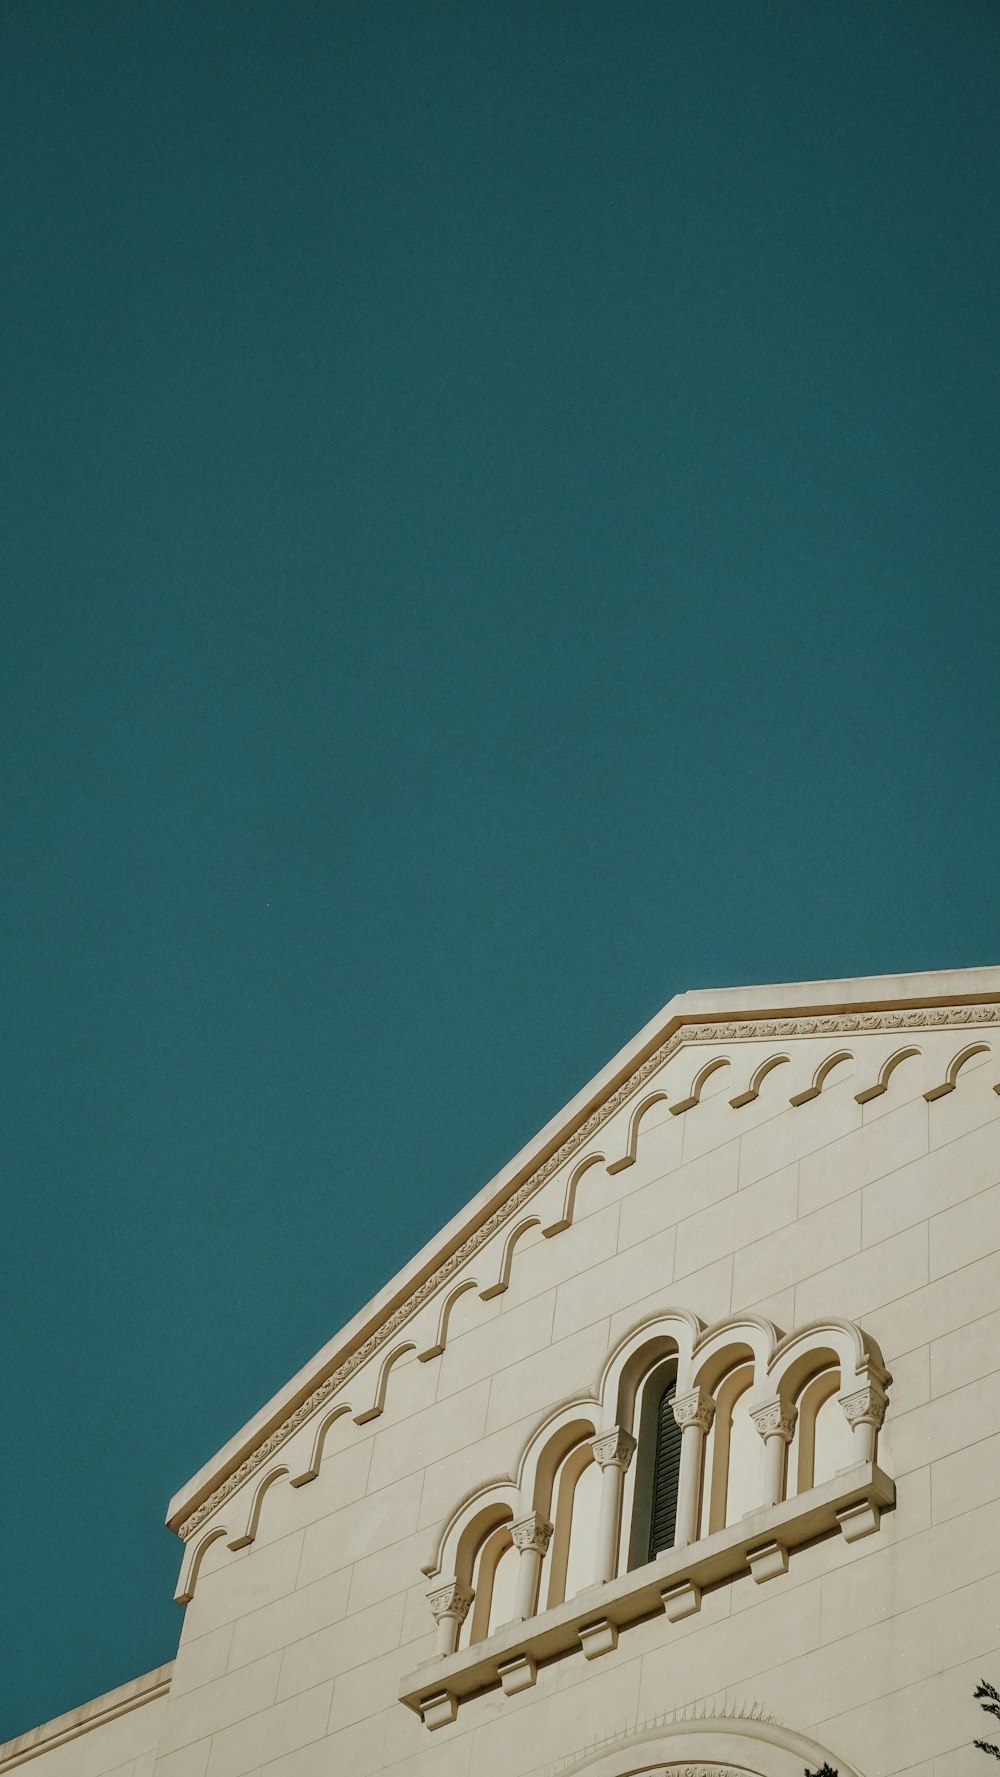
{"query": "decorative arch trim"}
[(565, 1220), (378, 1405), (757, 1079), (821, 1075), (310, 1472), (712, 1744), (503, 1281), (632, 1144), (886, 1072), (955, 1066), (249, 1534), (698, 1085), (194, 1555), (444, 1319)]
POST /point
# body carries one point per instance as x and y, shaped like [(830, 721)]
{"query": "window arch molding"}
[(797, 1357), (740, 1339), (763, 1749), (672, 1334)]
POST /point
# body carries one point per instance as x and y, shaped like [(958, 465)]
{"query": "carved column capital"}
[(696, 1408), (774, 1420), (613, 1449), (453, 1600), (865, 1406), (532, 1532)]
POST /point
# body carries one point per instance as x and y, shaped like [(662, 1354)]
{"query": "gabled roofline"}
[(706, 1007)]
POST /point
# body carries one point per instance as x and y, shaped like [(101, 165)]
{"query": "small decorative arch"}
[(435, 1350), (569, 1201), (551, 1441), (316, 1454), (955, 1066), (730, 1342), (722, 1744), (503, 1281), (757, 1079), (698, 1084), (378, 1405), (658, 1336), (886, 1072), (243, 1541), (821, 1075), (801, 1353), (194, 1555), (477, 1513), (632, 1144)]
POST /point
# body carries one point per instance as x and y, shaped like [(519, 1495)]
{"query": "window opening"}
[(666, 1472)]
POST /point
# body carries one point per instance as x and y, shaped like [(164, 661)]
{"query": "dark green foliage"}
[(824, 1771), (988, 1698)]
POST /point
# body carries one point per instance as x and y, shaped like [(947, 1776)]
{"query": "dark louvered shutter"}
[(665, 1475)]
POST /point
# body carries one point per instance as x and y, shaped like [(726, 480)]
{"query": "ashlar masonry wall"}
[(874, 1196)]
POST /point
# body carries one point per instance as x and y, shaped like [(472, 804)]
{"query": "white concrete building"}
[(677, 1451)]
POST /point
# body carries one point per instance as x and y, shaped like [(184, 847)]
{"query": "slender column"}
[(864, 1411), (694, 1413), (449, 1608), (613, 1451), (531, 1535), (776, 1425)]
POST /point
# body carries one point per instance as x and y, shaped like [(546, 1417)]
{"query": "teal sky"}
[(499, 525)]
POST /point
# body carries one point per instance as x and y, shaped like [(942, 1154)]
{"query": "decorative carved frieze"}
[(696, 1408), (614, 1449), (827, 1024), (775, 1420), (453, 1600), (532, 1532), (865, 1406)]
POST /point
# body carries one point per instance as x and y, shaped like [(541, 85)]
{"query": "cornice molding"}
[(714, 1031), (95, 1714)]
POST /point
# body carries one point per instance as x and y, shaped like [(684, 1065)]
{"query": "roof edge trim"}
[(938, 992)]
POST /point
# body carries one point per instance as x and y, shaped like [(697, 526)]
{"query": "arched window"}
[(657, 1468), (734, 1453), (663, 1513), (577, 1497), (495, 1581), (823, 1441)]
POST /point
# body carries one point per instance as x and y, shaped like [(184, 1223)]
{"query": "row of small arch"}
[(819, 1078), (782, 1365), (874, 1089)]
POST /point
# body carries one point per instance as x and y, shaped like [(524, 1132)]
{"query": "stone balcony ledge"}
[(758, 1544)]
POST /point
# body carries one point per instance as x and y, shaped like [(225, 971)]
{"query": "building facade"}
[(678, 1451)]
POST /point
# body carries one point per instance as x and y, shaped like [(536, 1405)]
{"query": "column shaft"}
[(609, 1524), (689, 1485), (529, 1573)]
